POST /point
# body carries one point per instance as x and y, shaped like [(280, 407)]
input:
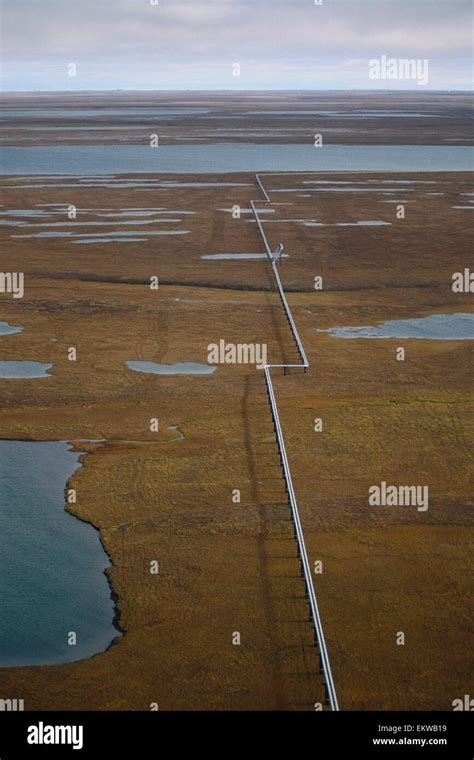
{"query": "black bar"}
[(159, 734)]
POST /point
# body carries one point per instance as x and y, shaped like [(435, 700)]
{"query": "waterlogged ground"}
[(433, 327), (225, 565), (284, 117), (53, 566)]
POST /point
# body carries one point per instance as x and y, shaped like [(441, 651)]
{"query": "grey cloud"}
[(211, 34)]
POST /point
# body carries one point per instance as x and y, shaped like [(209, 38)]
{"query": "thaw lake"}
[(228, 157), (347, 115), (23, 370), (84, 113), (6, 329), (435, 327), (237, 256), (180, 368), (52, 580)]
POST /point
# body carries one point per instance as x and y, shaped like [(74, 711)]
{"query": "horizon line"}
[(233, 90)]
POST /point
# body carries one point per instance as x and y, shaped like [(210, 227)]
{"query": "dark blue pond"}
[(52, 579)]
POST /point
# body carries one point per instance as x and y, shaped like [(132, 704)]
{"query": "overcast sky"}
[(193, 44)]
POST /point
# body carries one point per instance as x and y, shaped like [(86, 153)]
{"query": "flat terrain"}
[(167, 496), (127, 118)]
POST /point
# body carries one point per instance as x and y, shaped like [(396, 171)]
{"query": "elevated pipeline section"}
[(331, 696)]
